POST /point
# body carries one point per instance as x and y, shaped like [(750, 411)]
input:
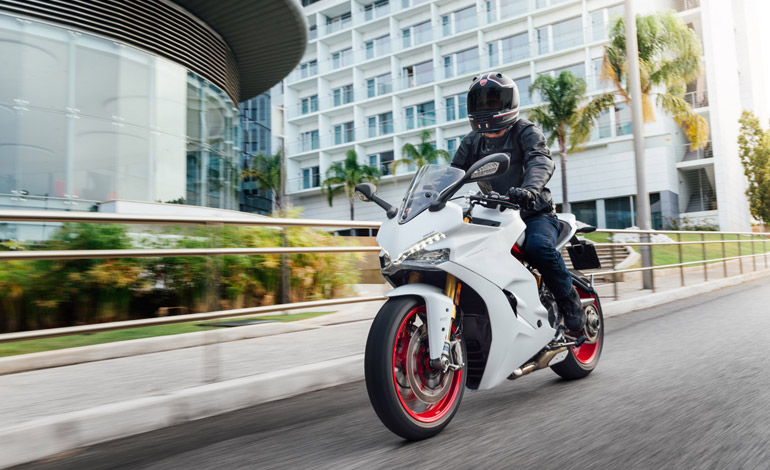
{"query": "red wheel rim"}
[(587, 352), (432, 412)]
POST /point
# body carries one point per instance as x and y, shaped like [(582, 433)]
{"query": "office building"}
[(377, 73), (134, 100)]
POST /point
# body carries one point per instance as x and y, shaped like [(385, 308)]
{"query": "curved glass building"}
[(134, 103)]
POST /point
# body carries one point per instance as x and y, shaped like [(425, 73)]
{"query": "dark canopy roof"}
[(267, 37)]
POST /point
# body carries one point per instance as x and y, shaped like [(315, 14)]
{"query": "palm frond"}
[(693, 124), (586, 118)]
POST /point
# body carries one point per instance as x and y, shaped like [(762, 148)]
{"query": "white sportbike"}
[(466, 309)]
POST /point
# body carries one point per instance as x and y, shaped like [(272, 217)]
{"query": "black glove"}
[(523, 197)]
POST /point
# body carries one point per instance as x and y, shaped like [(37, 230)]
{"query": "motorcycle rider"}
[(493, 112)]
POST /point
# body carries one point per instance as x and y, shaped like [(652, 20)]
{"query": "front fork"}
[(451, 356)]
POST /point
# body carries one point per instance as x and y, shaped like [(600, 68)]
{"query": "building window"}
[(309, 140), (421, 115), (499, 9), (578, 70), (376, 10), (452, 145), (623, 124), (459, 21), (523, 85), (377, 47), (418, 74), (308, 69), (461, 63), (698, 190), (342, 58), (420, 33), (379, 85), (382, 161), (344, 133), (567, 33), (310, 104), (457, 107), (343, 95), (311, 177), (380, 124), (595, 81), (312, 32), (512, 48), (618, 212), (585, 212), (598, 25), (543, 46)]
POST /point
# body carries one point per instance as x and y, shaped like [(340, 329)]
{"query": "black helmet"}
[(493, 102)]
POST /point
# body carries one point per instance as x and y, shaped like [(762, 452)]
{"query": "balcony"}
[(684, 5), (697, 99), (376, 10), (700, 154)]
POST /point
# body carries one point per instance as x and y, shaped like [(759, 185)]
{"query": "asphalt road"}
[(683, 386)]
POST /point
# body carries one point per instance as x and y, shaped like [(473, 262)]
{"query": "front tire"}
[(583, 360), (411, 399)]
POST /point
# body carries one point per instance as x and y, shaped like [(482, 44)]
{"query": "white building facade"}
[(377, 74)]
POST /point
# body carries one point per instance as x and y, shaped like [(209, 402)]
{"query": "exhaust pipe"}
[(541, 362)]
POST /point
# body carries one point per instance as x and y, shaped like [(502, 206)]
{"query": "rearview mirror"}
[(489, 167), (365, 191)]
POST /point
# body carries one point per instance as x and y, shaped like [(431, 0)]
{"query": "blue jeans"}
[(540, 251)]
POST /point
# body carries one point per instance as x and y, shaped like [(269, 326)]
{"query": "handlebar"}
[(493, 200)]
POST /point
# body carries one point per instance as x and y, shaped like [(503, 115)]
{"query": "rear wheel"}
[(410, 397), (582, 360)]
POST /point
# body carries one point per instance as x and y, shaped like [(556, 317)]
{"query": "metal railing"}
[(742, 238), (246, 220), (744, 244)]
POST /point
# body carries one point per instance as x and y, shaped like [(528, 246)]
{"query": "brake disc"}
[(428, 385)]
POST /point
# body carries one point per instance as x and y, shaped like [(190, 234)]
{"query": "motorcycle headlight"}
[(418, 252)]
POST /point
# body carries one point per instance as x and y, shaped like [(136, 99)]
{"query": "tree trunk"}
[(565, 206), (285, 267), (351, 208)]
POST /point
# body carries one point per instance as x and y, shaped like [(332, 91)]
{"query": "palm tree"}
[(266, 169), (562, 119), (669, 59), (422, 154), (344, 176)]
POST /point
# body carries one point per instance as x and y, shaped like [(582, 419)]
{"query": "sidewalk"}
[(48, 411)]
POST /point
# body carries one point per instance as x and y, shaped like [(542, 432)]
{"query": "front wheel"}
[(410, 397), (582, 360)]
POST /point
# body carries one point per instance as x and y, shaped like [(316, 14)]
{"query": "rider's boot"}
[(572, 311)]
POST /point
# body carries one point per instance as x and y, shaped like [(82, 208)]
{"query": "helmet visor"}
[(490, 99)]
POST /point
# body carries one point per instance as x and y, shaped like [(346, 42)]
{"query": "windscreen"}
[(425, 188)]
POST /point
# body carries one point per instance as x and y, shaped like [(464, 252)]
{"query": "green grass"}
[(669, 254), (73, 341)]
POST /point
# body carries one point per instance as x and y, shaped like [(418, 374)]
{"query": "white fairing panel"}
[(567, 231), (480, 256), (438, 309), (514, 339)]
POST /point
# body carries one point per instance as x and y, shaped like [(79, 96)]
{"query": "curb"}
[(45, 437), (620, 307), (135, 347)]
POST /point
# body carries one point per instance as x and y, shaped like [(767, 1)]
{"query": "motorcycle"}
[(466, 310)]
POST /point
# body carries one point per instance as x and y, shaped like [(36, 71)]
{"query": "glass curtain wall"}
[(84, 119)]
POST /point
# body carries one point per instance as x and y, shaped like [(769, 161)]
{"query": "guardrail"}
[(742, 239), (753, 238), (246, 220)]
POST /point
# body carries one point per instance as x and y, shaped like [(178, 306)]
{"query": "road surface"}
[(682, 386)]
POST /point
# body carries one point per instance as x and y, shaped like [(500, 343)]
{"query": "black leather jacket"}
[(531, 162)]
